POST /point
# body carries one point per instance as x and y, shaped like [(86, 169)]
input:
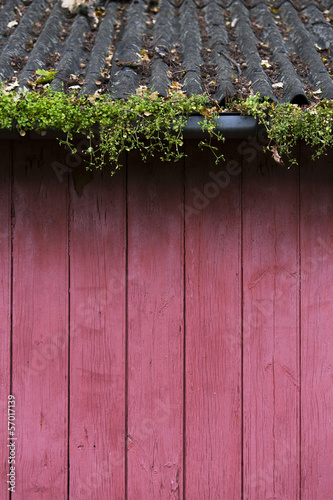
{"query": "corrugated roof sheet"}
[(280, 49)]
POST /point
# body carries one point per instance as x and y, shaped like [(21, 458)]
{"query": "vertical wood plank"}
[(213, 326), (97, 339), (40, 322), (155, 330), (316, 320), (270, 330), (5, 307)]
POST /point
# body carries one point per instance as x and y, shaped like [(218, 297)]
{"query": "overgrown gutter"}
[(231, 126)]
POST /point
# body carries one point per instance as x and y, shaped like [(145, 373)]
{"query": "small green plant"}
[(144, 122), (45, 76), (154, 125), (288, 123)]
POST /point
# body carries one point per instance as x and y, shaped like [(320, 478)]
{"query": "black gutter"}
[(231, 126)]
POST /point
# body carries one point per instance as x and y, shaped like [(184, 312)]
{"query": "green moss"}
[(153, 125), (145, 122), (287, 123)]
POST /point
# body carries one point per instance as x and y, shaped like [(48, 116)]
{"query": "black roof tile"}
[(6, 15), (281, 49), (271, 36), (306, 49), (191, 46), (44, 45), (72, 53), (218, 48), (164, 35), (100, 50), (125, 77), (21, 35), (247, 42)]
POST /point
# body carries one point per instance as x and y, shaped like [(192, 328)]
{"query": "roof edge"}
[(231, 126)]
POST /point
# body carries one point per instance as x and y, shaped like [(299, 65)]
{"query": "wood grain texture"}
[(5, 306), (155, 331), (97, 339), (270, 330), (213, 326), (40, 320), (181, 313), (316, 320)]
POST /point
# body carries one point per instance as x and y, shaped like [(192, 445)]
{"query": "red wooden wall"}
[(168, 334)]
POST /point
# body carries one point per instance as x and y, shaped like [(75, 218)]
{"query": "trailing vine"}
[(287, 123), (153, 125)]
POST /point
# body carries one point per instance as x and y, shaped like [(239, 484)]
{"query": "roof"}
[(280, 49)]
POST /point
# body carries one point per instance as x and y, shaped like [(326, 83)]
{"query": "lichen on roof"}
[(72, 5)]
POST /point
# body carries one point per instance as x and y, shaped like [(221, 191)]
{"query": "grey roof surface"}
[(280, 49)]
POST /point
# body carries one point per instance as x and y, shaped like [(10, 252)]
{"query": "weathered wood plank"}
[(213, 326), (40, 322), (155, 331), (316, 320), (97, 339), (5, 307), (270, 330)]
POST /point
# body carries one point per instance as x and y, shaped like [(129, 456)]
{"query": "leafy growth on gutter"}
[(153, 125), (287, 123), (145, 122)]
